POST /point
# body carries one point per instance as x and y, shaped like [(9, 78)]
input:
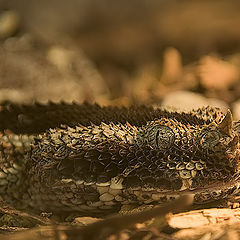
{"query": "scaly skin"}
[(129, 156)]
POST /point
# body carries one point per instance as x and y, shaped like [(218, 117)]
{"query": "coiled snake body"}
[(87, 158)]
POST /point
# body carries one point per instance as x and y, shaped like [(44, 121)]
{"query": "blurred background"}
[(183, 54)]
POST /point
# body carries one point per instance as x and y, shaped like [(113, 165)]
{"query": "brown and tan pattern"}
[(92, 159)]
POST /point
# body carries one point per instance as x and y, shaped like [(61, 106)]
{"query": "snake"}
[(70, 157)]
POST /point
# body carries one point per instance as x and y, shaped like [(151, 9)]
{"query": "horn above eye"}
[(209, 139), (226, 125), (234, 143)]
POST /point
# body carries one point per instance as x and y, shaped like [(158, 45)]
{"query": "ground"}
[(164, 53)]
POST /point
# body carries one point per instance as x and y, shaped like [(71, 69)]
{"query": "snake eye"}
[(210, 139), (156, 136), (164, 136)]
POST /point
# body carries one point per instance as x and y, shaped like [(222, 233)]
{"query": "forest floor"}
[(181, 55)]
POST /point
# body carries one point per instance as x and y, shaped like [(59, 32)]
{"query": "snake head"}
[(218, 144), (194, 156), (219, 137)]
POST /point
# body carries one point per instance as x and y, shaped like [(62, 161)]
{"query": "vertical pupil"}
[(157, 135), (163, 137)]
